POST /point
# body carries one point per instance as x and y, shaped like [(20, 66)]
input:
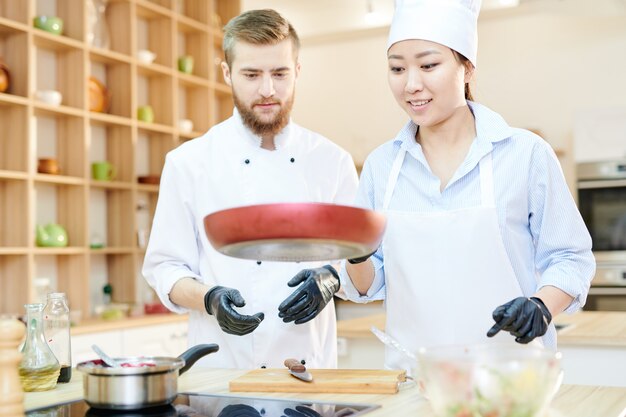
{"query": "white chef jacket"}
[(225, 168)]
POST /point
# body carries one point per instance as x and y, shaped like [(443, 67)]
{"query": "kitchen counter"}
[(585, 328), (593, 345), (99, 325), (599, 328), (571, 401)]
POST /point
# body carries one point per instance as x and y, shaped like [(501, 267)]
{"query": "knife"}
[(298, 370)]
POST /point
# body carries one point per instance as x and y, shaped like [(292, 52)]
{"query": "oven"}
[(602, 203)]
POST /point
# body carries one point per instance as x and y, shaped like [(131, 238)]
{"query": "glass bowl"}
[(489, 380)]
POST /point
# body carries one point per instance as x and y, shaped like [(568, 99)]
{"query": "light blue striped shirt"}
[(542, 230)]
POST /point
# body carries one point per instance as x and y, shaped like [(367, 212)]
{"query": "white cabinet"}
[(110, 342), (360, 353), (153, 340), (159, 340)]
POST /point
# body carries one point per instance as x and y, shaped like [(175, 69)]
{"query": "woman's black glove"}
[(525, 318), (361, 259), (219, 301), (318, 288), (239, 410)]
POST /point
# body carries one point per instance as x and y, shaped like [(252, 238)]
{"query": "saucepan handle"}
[(191, 355)]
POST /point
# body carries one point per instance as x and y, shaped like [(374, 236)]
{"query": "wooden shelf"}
[(153, 70), (59, 179), (112, 251), (14, 251), (111, 185), (184, 136), (109, 119), (12, 99), (108, 57), (187, 24), (11, 25), (117, 212), (43, 109), (13, 175), (148, 188), (57, 43), (151, 10), (70, 250)]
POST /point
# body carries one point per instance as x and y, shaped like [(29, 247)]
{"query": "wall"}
[(536, 67), (342, 91), (544, 77)]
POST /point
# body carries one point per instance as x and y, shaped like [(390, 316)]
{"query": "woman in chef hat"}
[(483, 237)]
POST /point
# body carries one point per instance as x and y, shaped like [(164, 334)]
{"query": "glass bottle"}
[(56, 329), (97, 30), (39, 368)]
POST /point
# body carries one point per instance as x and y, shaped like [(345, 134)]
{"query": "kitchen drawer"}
[(110, 342), (158, 340)]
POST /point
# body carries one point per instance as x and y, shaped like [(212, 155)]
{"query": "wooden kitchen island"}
[(571, 401)]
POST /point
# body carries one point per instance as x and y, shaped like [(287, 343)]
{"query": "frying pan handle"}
[(191, 355)]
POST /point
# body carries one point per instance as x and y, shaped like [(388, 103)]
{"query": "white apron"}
[(446, 272)]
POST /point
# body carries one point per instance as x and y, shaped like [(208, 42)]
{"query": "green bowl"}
[(52, 24)]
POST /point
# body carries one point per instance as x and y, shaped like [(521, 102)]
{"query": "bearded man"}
[(258, 156)]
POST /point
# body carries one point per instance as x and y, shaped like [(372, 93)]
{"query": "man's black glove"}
[(301, 411), (361, 259), (219, 301), (239, 410), (525, 318), (319, 286)]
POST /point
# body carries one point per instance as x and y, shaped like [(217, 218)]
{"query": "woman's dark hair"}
[(461, 58)]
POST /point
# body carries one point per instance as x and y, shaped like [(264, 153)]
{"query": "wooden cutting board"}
[(355, 381)]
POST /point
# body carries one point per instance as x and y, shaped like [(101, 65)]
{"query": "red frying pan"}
[(295, 231)]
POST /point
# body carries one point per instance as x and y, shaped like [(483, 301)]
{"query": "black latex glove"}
[(219, 301), (301, 411), (239, 410), (317, 289), (525, 318), (361, 259)]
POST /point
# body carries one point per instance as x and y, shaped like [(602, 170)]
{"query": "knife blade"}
[(298, 370)]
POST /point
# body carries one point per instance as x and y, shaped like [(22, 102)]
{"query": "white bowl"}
[(146, 56), (52, 97), (185, 125)]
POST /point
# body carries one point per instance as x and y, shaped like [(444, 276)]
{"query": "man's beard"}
[(260, 127)]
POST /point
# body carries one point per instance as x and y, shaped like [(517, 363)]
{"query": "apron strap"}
[(486, 181), (393, 177)]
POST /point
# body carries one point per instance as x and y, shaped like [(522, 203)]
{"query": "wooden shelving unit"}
[(76, 137)]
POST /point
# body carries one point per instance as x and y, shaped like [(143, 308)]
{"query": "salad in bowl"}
[(494, 380)]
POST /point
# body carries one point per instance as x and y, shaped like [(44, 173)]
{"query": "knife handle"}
[(294, 365)]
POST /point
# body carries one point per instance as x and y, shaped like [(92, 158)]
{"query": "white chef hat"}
[(448, 22)]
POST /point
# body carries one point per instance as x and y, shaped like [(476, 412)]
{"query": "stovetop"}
[(210, 405)]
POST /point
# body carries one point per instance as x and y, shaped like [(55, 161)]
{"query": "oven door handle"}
[(607, 291), (584, 184)]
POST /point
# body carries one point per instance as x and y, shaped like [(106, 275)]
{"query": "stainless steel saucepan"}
[(142, 381)]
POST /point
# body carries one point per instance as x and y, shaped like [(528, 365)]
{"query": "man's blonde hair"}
[(258, 27)]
